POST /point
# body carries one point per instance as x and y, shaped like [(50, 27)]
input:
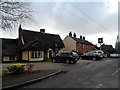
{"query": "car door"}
[(61, 57), (89, 55)]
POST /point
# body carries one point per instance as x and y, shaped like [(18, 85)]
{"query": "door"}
[(50, 54)]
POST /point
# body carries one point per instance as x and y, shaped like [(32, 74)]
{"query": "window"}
[(36, 54), (83, 46), (12, 58)]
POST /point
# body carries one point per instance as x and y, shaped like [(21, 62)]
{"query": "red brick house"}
[(72, 43)]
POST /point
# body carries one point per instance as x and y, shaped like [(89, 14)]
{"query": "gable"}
[(70, 44)]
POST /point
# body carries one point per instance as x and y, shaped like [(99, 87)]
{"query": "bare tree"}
[(12, 13)]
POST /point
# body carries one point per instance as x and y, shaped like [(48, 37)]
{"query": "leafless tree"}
[(12, 13)]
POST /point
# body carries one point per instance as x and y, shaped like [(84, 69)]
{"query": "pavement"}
[(41, 71)]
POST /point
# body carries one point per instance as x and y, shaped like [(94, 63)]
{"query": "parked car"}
[(114, 55), (68, 57), (94, 55)]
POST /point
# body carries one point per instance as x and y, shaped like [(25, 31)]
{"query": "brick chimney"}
[(19, 36), (83, 37), (42, 30), (70, 34), (19, 54), (74, 35), (80, 36)]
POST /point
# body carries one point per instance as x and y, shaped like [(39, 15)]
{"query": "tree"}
[(12, 13)]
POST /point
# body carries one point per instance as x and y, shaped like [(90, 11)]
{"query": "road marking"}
[(99, 85), (116, 71)]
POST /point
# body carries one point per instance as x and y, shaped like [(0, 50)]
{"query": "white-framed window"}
[(36, 54)]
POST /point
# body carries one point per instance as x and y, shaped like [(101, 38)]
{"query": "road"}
[(96, 74)]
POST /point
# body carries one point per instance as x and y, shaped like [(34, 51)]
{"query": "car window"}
[(67, 53), (74, 53), (62, 54)]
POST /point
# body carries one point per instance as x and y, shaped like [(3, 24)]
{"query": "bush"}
[(16, 68), (48, 59)]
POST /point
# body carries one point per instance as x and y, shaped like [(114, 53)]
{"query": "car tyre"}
[(67, 61), (53, 61), (80, 58), (94, 58), (74, 62)]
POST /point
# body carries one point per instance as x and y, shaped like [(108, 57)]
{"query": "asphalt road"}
[(95, 74)]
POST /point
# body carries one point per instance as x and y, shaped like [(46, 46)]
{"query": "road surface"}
[(95, 74)]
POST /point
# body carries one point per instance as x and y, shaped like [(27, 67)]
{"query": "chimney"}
[(70, 34), (74, 35), (42, 30), (80, 36), (19, 54), (83, 37), (19, 36)]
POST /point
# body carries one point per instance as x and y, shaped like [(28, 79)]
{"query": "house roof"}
[(107, 48), (44, 40), (83, 41), (9, 46), (32, 45)]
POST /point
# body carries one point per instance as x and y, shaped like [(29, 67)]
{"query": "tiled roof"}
[(82, 41)]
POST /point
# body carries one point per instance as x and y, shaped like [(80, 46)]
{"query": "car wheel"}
[(53, 61), (80, 58), (94, 58), (74, 62), (67, 61)]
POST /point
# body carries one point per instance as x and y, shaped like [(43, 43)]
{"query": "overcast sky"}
[(91, 19)]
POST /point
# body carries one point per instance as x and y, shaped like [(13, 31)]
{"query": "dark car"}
[(92, 55), (68, 57)]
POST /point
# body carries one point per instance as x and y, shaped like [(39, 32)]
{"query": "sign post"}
[(100, 41)]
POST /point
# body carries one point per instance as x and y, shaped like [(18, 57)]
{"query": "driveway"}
[(49, 65)]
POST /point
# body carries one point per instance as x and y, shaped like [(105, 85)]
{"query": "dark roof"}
[(9, 46), (45, 40), (81, 41), (32, 45), (107, 48)]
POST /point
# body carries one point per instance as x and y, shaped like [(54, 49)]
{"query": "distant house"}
[(36, 46), (108, 49), (72, 43)]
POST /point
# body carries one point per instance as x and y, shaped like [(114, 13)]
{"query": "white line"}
[(99, 85), (116, 71)]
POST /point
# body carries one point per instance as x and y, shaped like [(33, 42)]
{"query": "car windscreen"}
[(74, 53)]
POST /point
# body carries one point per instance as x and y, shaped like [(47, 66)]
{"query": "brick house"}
[(72, 43)]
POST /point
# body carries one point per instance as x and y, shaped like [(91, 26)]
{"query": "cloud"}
[(92, 19)]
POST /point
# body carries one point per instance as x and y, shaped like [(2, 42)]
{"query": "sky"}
[(90, 18)]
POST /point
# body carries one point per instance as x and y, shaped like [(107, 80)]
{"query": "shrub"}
[(16, 68), (48, 59)]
